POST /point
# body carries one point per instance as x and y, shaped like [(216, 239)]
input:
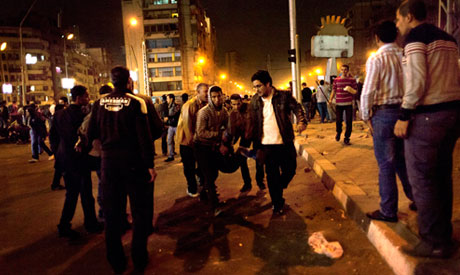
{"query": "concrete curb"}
[(387, 238)]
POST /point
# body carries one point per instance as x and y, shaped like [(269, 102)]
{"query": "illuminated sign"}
[(7, 88), (68, 83)]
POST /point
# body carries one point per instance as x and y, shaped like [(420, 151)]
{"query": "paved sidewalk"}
[(351, 173)]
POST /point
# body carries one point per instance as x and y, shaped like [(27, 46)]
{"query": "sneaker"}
[(69, 233), (377, 215), (246, 188), (169, 159), (423, 249), (51, 157), (33, 160), (57, 187), (337, 137), (346, 141), (193, 195)]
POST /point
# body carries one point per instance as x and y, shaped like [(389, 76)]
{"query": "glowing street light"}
[(310, 74), (133, 21), (3, 46), (318, 71), (70, 36), (201, 60), (223, 76)]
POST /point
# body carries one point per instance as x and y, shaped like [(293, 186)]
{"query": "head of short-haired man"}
[(236, 102), (385, 32), (170, 98), (202, 92), (63, 100), (262, 83), (120, 77), (409, 15), (80, 95), (345, 70)]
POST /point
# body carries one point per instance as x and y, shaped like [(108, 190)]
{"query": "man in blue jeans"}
[(382, 93), (430, 122)]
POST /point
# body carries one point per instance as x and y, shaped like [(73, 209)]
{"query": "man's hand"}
[(401, 128), (301, 127), (371, 129), (153, 174)]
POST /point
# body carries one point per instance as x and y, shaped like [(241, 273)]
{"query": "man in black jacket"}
[(77, 175), (119, 120), (273, 134), (171, 119)]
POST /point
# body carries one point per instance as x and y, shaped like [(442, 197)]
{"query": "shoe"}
[(261, 186), (57, 187), (169, 159), (69, 233), (279, 210), (346, 141), (95, 228), (33, 160), (246, 188), (193, 195), (377, 215), (337, 137), (51, 157), (423, 249), (413, 206)]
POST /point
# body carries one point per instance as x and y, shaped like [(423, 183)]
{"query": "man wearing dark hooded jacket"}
[(210, 125), (119, 120)]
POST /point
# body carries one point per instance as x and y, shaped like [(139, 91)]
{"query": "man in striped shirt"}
[(382, 93), (344, 102), (430, 122)]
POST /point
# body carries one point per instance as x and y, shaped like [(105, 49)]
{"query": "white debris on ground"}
[(321, 246)]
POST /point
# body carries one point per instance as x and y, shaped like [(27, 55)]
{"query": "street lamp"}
[(67, 83), (223, 76), (201, 60), (21, 49), (3, 46)]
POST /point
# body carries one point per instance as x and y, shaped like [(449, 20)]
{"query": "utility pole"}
[(21, 58), (293, 49)]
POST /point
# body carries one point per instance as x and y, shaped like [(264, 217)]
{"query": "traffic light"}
[(291, 57)]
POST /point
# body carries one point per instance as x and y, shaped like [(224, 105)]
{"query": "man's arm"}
[(202, 126), (415, 74), (299, 113), (369, 88)]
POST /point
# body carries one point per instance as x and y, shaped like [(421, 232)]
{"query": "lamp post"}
[(22, 54), (69, 36)]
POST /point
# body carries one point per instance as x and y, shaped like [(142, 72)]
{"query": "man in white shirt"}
[(273, 134), (382, 94)]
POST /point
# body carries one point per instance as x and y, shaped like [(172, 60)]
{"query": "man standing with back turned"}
[(270, 112), (119, 121), (430, 122), (382, 94)]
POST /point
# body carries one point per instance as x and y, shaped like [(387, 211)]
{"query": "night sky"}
[(253, 28)]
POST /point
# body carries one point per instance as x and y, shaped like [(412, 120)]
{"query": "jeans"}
[(306, 105), (280, 162), (118, 179), (244, 169), (38, 143), (191, 169), (389, 152), (429, 149), (323, 113), (78, 183), (171, 144), (348, 119), (206, 158)]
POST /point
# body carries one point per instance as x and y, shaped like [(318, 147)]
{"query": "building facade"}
[(169, 45), (45, 56)]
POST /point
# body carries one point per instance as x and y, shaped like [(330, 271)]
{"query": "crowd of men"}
[(410, 100)]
